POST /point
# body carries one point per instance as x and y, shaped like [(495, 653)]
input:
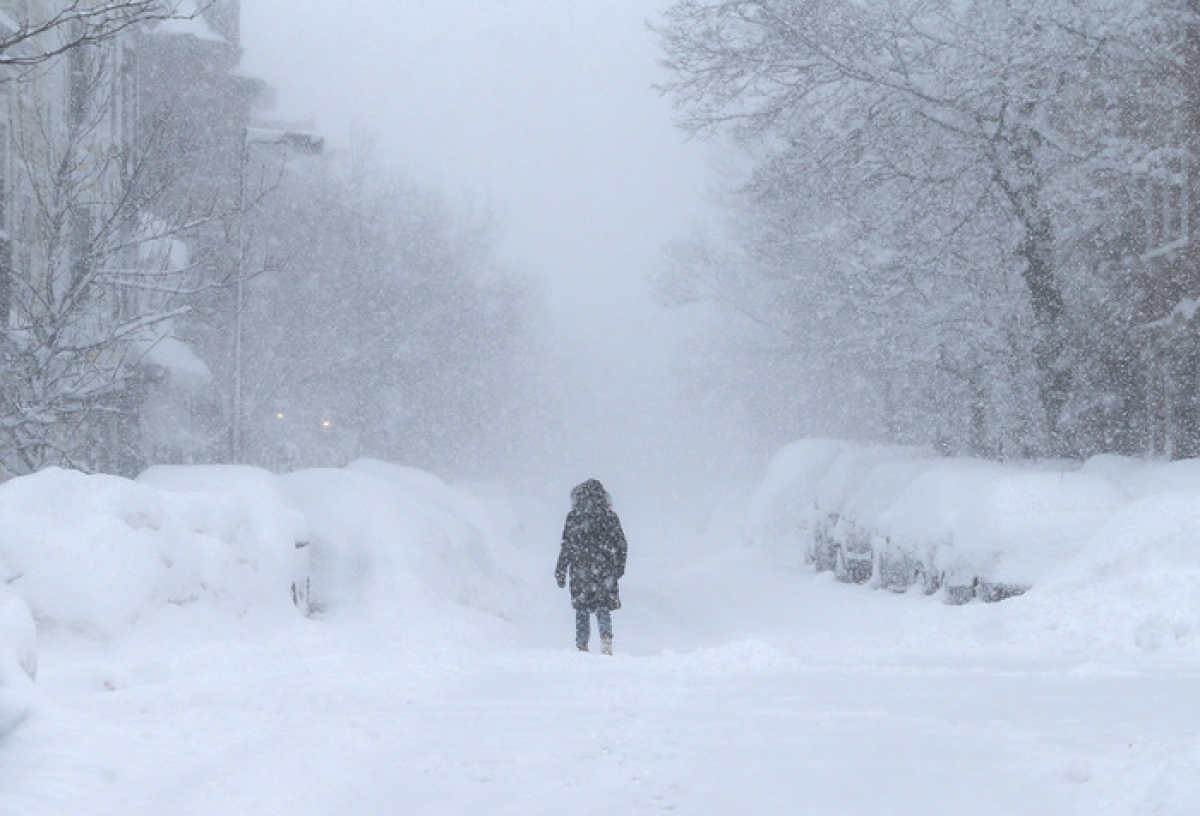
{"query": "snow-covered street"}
[(738, 687), (840, 360)]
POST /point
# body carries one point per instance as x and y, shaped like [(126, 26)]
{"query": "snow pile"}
[(1134, 587), (99, 554), (389, 535), (95, 553), (18, 662)]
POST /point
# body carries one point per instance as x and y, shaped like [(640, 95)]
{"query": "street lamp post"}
[(287, 142)]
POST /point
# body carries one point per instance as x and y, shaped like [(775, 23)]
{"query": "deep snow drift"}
[(371, 640)]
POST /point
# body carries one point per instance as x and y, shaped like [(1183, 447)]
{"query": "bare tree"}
[(97, 274), (41, 32)]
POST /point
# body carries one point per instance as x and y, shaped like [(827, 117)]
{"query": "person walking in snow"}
[(593, 553)]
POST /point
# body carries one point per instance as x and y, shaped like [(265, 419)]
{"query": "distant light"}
[(279, 416), (326, 424)]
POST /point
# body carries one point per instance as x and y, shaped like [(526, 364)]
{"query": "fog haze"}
[(544, 114)]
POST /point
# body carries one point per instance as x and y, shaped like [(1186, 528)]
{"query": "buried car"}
[(836, 492), (983, 531), (852, 537)]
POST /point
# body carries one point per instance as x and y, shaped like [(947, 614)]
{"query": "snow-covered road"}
[(738, 688)]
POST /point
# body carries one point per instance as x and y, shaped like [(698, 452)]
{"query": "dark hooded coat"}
[(593, 549)]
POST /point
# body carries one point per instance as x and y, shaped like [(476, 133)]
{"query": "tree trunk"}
[(1187, 410), (6, 283), (1019, 179)]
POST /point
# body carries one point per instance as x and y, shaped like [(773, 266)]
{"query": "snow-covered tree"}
[(94, 274), (34, 32), (940, 193)]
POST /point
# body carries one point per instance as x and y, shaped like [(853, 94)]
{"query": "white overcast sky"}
[(544, 110)]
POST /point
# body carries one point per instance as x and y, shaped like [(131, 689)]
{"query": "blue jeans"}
[(583, 625)]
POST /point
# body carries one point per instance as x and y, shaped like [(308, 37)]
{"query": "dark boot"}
[(606, 644), (581, 647)]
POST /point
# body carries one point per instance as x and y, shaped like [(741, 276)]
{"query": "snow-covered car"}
[(837, 490), (248, 510), (912, 536), (782, 510), (1020, 527), (979, 530), (853, 536)]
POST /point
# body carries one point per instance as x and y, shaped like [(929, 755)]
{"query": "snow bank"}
[(95, 553), (1134, 588), (18, 663), (385, 534), (1107, 553), (98, 554)]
